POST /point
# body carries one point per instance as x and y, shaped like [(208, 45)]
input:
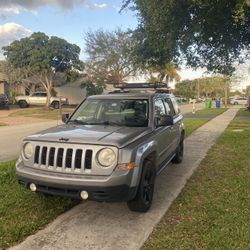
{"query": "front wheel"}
[(23, 104), (143, 199), (179, 153)]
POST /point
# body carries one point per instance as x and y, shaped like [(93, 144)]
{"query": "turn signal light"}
[(126, 166)]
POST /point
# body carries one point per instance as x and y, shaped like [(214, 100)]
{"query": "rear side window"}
[(176, 106), (169, 105)]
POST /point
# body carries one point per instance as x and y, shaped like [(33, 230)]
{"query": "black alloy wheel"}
[(143, 199)]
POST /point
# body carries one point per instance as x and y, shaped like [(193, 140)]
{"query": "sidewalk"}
[(93, 225)]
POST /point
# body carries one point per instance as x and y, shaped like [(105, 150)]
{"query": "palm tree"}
[(166, 73)]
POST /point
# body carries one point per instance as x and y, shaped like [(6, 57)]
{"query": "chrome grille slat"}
[(55, 158), (64, 158), (73, 160), (83, 161)]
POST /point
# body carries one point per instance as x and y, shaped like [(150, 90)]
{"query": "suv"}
[(110, 149), (39, 98)]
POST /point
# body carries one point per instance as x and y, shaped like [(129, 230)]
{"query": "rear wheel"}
[(23, 104), (179, 153), (143, 199), (236, 103)]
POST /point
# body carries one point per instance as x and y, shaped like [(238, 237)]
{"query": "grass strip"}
[(212, 211), (243, 112), (192, 124), (42, 113), (210, 111), (22, 212)]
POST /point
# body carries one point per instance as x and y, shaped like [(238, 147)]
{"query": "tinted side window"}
[(176, 106), (171, 108), (159, 108), (43, 94)]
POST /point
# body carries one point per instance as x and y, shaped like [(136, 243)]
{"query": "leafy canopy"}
[(201, 33), (110, 55), (39, 52)]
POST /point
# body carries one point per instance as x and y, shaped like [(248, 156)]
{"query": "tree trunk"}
[(48, 97)]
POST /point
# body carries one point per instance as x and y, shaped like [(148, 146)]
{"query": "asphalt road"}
[(11, 136)]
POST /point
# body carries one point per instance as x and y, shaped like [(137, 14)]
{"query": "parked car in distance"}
[(4, 101), (110, 149), (39, 98), (238, 100)]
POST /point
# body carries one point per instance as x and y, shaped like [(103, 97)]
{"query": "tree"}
[(185, 88), (247, 91), (93, 88), (43, 57), (212, 34), (14, 77), (110, 55), (213, 86), (166, 73)]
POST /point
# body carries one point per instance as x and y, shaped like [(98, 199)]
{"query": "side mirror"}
[(165, 120), (65, 118)]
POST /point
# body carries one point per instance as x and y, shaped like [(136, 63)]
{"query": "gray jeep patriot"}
[(110, 149)]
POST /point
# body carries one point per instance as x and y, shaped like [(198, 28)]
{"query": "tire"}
[(23, 104), (143, 199), (179, 153), (56, 105), (236, 103)]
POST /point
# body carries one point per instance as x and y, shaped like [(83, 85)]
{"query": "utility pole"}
[(226, 92), (198, 89)]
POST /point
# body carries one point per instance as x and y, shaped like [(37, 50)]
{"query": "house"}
[(73, 91)]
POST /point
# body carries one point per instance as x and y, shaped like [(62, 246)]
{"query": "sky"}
[(71, 19), (68, 19)]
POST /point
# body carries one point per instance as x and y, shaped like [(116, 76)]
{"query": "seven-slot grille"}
[(60, 158)]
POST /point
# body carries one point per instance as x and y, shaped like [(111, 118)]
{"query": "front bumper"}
[(100, 188)]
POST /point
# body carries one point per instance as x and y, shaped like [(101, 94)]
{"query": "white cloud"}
[(14, 6), (12, 31)]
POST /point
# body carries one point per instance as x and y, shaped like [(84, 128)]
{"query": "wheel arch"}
[(145, 152)]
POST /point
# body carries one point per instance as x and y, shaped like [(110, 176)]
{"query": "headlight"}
[(28, 150), (106, 157)]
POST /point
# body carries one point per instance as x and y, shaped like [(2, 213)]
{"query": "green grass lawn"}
[(193, 123), (23, 212), (211, 111), (243, 112), (53, 114), (213, 210)]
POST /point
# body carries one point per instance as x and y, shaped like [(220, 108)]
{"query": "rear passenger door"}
[(164, 136), (177, 118)]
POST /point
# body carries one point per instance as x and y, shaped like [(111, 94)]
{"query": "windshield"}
[(131, 113)]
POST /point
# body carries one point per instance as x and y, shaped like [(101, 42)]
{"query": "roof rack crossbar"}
[(143, 85)]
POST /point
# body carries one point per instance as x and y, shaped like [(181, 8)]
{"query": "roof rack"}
[(143, 85)]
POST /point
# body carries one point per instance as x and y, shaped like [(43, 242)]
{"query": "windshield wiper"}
[(80, 122), (96, 123)]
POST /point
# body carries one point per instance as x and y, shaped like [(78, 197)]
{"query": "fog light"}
[(33, 187), (84, 195)]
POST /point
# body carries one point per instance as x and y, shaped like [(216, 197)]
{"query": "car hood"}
[(91, 134)]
